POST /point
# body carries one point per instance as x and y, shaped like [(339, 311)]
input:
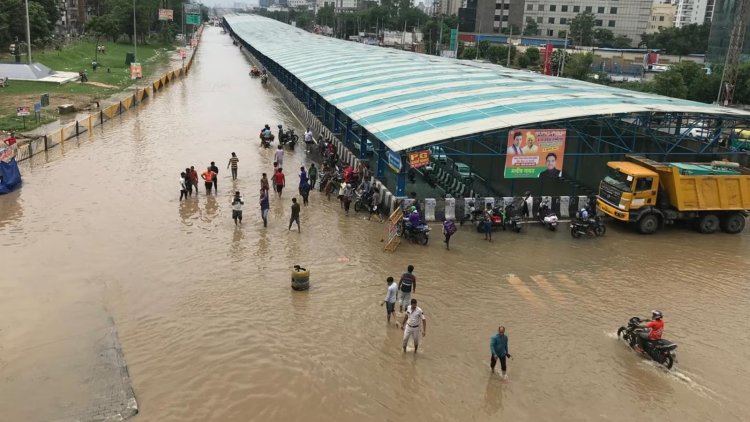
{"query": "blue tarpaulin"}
[(10, 176)]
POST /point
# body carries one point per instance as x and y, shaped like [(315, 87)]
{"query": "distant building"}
[(73, 16), (693, 12), (627, 18), (490, 16), (721, 30), (449, 7), (662, 16)]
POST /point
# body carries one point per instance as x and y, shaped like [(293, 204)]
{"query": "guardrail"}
[(86, 124)]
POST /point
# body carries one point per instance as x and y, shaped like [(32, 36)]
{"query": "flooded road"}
[(211, 330)]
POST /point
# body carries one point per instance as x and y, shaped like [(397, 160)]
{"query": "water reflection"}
[(493, 394)]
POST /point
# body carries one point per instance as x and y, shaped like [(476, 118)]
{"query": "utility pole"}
[(561, 68), (28, 32), (510, 46), (135, 36), (732, 62)]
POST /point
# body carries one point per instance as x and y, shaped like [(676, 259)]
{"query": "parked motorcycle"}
[(547, 216), (660, 351), (288, 137), (472, 214), (497, 219), (591, 227), (513, 218), (362, 201)]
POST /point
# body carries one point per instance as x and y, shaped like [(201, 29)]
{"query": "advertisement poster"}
[(183, 52), (419, 158), (166, 15), (534, 153), (23, 111)]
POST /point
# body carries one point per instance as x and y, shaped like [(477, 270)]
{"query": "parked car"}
[(463, 170), (370, 147), (438, 153)]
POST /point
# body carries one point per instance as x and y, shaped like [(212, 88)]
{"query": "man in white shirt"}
[(308, 137), (390, 298), (237, 203), (415, 325)]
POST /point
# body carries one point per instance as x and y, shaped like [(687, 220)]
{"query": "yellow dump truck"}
[(651, 194)]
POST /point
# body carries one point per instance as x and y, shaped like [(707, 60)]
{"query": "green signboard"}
[(454, 37), (193, 19)]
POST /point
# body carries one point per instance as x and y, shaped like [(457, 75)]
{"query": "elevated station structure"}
[(400, 102)]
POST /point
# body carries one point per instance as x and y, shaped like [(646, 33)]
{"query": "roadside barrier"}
[(450, 208), (107, 113)]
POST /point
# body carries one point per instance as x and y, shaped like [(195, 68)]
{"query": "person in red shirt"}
[(279, 180), (655, 327)]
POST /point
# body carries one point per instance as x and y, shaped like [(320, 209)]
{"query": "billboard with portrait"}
[(534, 153)]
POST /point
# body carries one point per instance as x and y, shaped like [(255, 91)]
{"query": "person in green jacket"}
[(499, 350), (312, 174)]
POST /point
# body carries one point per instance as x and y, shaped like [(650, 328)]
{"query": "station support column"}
[(401, 179), (348, 134), (362, 143), (382, 159)]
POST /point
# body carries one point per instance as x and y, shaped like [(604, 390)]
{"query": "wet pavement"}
[(211, 330)]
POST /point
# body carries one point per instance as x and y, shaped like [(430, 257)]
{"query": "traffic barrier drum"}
[(300, 278)]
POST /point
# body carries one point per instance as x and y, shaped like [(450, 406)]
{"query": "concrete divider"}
[(439, 209)]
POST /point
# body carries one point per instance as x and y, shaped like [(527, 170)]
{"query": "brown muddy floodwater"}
[(212, 332)]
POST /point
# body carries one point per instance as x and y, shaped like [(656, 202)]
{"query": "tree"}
[(557, 59), (102, 26), (523, 61), (621, 41), (582, 28), (469, 53), (685, 40), (578, 66), (671, 84), (562, 34), (483, 47), (531, 28), (533, 54), (326, 15), (603, 37)]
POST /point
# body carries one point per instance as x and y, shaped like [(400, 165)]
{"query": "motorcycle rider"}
[(414, 221), (653, 329), (265, 133)]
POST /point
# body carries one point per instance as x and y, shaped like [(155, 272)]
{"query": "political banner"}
[(183, 52), (419, 158), (166, 15), (534, 153), (23, 111)]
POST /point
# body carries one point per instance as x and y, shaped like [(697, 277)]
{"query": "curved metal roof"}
[(407, 99)]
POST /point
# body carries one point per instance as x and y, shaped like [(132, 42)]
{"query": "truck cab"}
[(628, 190)]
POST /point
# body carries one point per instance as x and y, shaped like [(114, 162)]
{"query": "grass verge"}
[(111, 77)]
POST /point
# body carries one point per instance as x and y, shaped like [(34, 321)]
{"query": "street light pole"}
[(28, 32), (135, 36)]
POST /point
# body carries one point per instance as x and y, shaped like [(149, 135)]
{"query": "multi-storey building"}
[(722, 23), (662, 16), (491, 16), (628, 18), (693, 12)]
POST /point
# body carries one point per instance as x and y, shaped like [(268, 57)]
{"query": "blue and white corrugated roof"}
[(407, 100)]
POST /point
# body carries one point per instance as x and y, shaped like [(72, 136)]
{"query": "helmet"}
[(348, 185), (412, 208), (656, 315)]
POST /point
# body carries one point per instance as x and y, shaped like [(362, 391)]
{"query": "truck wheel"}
[(733, 223), (708, 224), (648, 224)]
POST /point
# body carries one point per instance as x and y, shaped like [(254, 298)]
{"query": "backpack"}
[(450, 226)]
